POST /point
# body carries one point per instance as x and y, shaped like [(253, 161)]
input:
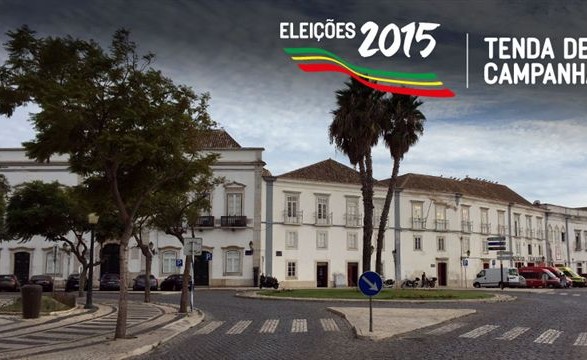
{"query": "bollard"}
[(31, 301)]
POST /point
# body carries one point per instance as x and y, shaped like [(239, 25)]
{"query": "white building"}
[(305, 226), (230, 232)]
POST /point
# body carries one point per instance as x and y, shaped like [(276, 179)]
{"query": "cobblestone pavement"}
[(539, 325)]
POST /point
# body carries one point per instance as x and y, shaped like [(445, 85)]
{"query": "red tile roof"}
[(325, 171), (219, 139), (467, 186)]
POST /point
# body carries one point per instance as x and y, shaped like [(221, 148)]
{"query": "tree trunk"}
[(82, 280), (148, 262), (120, 332), (384, 216), (367, 191), (184, 299)]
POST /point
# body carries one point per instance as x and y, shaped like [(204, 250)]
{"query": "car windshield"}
[(110, 277), (550, 274), (5, 277), (513, 272)]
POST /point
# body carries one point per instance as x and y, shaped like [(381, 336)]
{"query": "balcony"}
[(204, 222), (529, 233), (293, 218), (233, 221), (501, 229), (353, 220), (418, 223), (441, 224), (466, 226), (485, 228), (517, 231), (323, 219)]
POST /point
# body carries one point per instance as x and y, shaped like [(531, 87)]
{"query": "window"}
[(485, 246), (466, 244), (291, 239), (577, 240), (529, 249), (232, 262), (485, 221), (418, 221), (52, 263), (417, 242), (529, 230), (352, 242), (292, 270), (466, 224), (539, 228), (441, 222), (517, 225), (441, 244), (234, 204), (168, 265), (322, 214), (321, 240), (518, 246), (501, 222), (377, 210), (353, 218), (540, 250)]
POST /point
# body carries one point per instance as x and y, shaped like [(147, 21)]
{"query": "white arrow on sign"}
[(372, 286)]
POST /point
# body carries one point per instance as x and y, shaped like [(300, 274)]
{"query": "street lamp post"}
[(93, 220)]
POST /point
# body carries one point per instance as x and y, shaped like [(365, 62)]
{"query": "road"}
[(540, 325)]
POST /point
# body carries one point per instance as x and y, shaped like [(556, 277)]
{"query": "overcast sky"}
[(530, 138)]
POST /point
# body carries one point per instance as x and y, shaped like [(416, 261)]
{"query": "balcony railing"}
[(501, 229), (295, 218), (529, 233), (485, 228), (323, 219), (205, 221), (441, 224), (353, 220), (518, 231), (418, 223), (233, 221), (466, 226)]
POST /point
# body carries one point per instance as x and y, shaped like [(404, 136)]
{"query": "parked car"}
[(493, 278), (140, 281), (45, 281), (174, 282), (110, 281), (72, 283), (577, 280), (9, 283), (535, 277)]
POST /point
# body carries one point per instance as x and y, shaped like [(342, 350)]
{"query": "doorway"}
[(322, 274), (441, 273), (202, 276), (110, 259), (22, 263), (352, 274)]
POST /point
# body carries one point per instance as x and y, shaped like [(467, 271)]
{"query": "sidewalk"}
[(63, 336)]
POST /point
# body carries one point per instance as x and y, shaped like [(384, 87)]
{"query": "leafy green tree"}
[(401, 130), (124, 125), (52, 211), (355, 130)]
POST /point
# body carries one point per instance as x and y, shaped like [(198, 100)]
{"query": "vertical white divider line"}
[(467, 62)]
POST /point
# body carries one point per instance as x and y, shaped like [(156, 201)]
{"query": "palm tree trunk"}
[(367, 190), (385, 215)]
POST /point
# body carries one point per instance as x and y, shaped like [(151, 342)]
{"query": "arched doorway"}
[(202, 276), (22, 265), (110, 259)]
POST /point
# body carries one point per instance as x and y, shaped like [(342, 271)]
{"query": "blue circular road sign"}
[(370, 283)]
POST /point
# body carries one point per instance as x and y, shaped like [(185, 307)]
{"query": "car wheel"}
[(477, 285)]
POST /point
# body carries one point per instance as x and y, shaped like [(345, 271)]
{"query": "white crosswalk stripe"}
[(548, 337), (329, 325), (581, 340), (480, 331), (513, 333), (299, 326), (209, 327), (446, 329), (269, 326), (239, 327)]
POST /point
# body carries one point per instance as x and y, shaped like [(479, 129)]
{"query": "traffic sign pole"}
[(370, 284)]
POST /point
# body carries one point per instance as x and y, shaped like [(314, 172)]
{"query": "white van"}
[(492, 278)]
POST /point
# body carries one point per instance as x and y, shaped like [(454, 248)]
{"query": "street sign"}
[(496, 243), (208, 256), (505, 253), (504, 257), (370, 283), (178, 262), (192, 246), (465, 262)]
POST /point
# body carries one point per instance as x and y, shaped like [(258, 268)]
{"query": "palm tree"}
[(354, 131), (400, 132)]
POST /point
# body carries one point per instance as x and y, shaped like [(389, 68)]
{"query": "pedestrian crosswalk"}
[(497, 332), (269, 326)]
